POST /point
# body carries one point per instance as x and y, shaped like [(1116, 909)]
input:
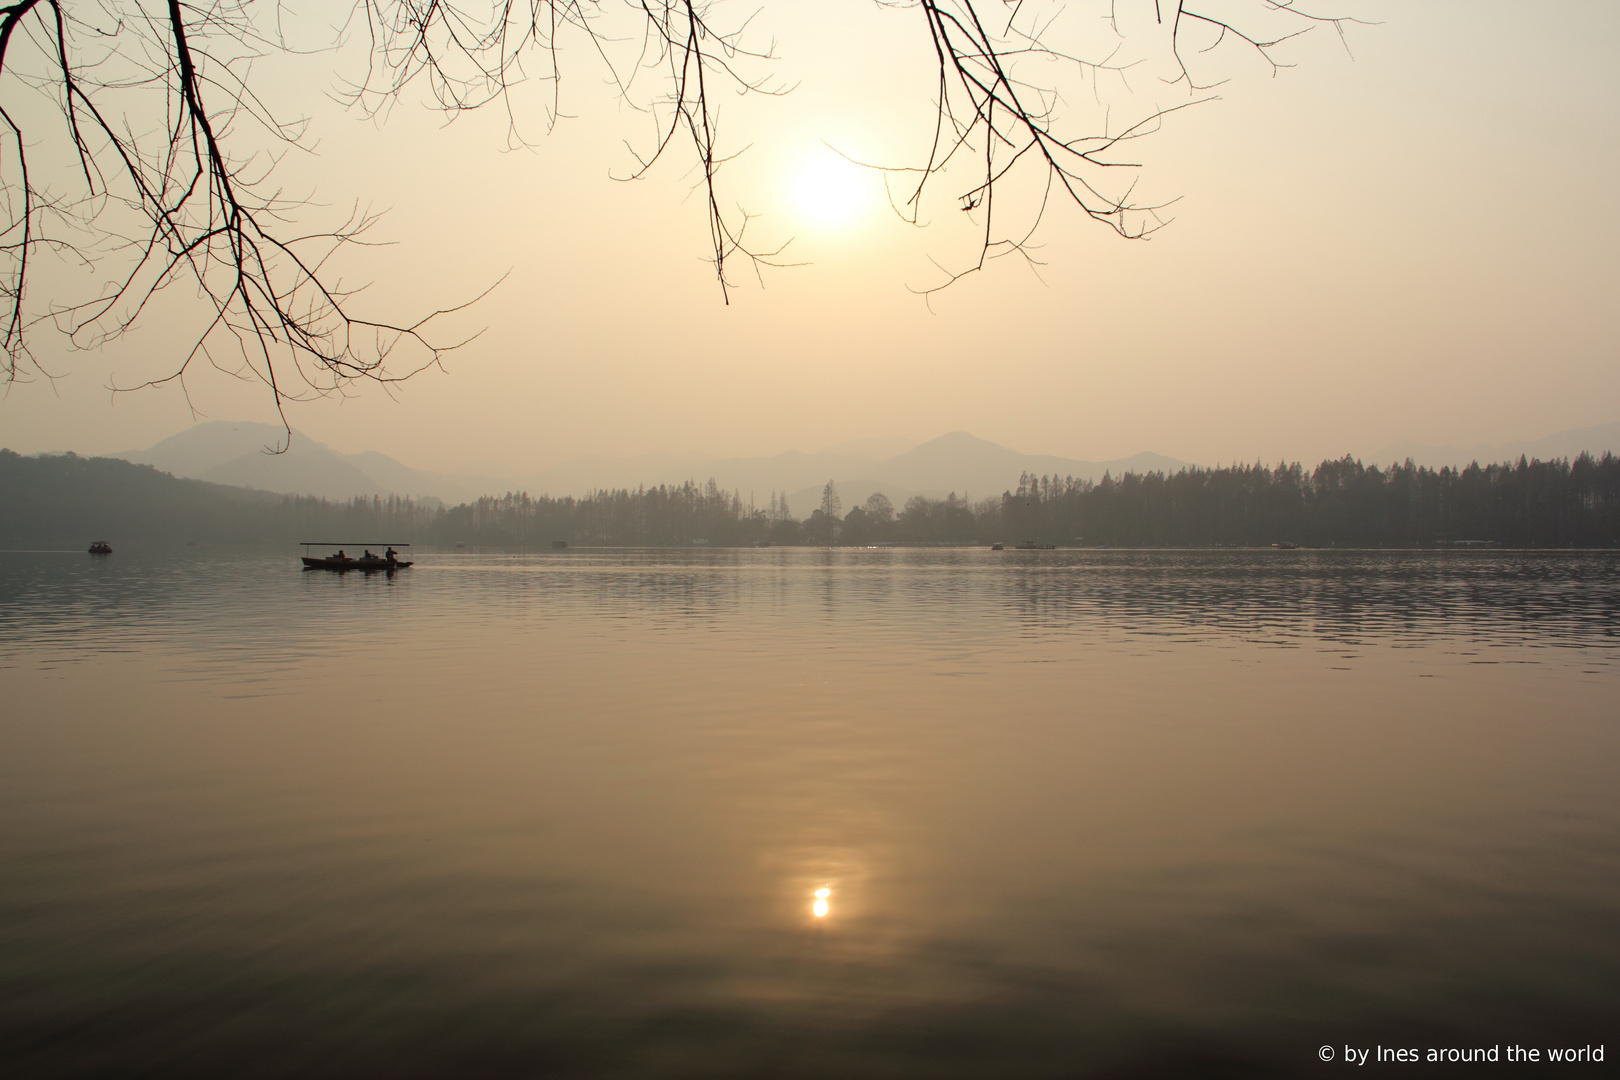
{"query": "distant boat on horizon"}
[(100, 547)]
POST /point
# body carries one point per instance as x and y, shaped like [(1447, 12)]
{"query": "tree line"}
[(1342, 503), (68, 500)]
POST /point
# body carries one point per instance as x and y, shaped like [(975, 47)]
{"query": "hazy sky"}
[(1419, 242)]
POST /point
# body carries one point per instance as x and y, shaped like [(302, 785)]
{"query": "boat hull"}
[(369, 566)]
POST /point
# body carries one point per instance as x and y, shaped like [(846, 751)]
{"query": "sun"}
[(830, 192)]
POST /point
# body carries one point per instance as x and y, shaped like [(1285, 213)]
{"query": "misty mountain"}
[(974, 467), (241, 454), (878, 447), (1564, 444), (602, 472), (65, 501), (791, 471), (957, 462)]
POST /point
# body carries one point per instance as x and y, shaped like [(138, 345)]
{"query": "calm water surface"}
[(1079, 813)]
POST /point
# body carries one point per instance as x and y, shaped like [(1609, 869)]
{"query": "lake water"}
[(1079, 814)]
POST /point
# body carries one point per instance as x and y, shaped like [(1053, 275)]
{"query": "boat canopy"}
[(351, 543)]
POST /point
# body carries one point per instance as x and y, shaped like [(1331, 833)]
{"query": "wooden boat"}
[(101, 547), (367, 563), (332, 562)]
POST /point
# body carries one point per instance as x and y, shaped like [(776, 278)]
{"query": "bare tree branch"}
[(158, 168)]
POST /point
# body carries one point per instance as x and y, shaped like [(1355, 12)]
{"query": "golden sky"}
[(1416, 242)]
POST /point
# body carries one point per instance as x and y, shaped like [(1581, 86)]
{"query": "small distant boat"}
[(341, 561), (998, 547), (101, 547), (1284, 546), (1030, 545), (559, 545)]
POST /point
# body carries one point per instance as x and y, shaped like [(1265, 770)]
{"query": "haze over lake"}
[(1078, 813)]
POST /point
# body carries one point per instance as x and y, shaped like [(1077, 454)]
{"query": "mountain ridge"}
[(239, 454), (242, 454)]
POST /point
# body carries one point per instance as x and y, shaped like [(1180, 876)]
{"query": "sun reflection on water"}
[(819, 908)]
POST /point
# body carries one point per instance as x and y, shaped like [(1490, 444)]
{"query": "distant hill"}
[(241, 454), (792, 471), (599, 472), (957, 462), (65, 501), (970, 465)]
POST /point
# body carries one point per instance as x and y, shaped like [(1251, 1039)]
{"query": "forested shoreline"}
[(68, 500)]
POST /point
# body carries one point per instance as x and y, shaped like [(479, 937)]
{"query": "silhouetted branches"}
[(470, 59), (147, 100), (1002, 90), (137, 148)]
